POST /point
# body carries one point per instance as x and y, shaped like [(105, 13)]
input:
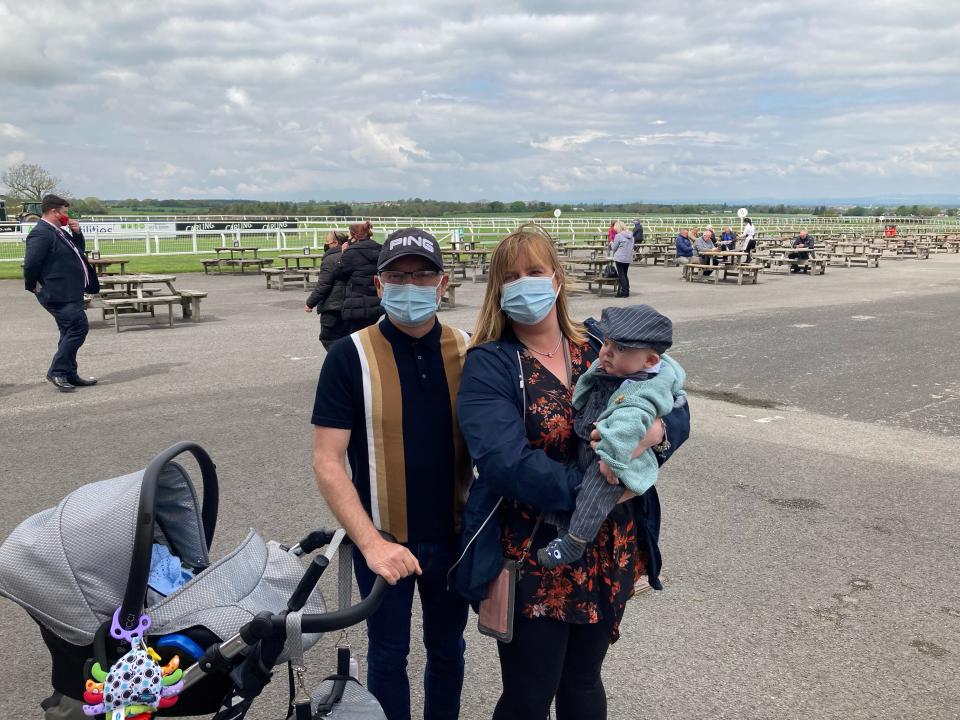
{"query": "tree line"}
[(27, 182)]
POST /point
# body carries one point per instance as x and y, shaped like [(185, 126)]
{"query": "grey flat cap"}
[(637, 326)]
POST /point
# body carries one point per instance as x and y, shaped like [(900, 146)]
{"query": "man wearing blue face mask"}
[(386, 397)]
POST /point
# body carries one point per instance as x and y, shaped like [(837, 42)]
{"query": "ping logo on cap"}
[(407, 240)]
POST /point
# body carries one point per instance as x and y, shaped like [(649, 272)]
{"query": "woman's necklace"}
[(548, 354)]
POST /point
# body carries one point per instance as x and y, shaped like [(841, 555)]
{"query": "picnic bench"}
[(102, 265), (449, 297), (782, 263), (239, 261), (743, 271), (139, 305), (128, 294), (190, 303), (848, 259), (697, 272), (279, 278)]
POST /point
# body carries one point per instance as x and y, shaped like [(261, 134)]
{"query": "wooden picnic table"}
[(237, 259), (592, 272), (139, 293), (102, 264), (236, 249), (593, 264), (477, 260), (298, 257), (729, 257), (136, 285)]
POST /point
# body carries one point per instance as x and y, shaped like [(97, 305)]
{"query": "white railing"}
[(147, 237)]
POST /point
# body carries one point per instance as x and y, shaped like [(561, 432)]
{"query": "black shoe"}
[(61, 383), (82, 382)]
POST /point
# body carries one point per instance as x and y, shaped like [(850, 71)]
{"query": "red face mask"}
[(64, 219)]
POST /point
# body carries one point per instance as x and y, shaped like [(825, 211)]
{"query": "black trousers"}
[(550, 659), (622, 268), (72, 322), (332, 328), (797, 256)]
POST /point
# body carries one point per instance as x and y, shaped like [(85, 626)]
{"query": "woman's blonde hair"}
[(619, 226), (531, 241)]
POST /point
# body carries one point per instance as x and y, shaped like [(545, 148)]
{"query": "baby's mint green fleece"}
[(622, 424)]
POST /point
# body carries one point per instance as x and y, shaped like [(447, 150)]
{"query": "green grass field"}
[(155, 264)]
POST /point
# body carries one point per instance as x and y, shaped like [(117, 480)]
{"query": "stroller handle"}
[(267, 625), (136, 590)]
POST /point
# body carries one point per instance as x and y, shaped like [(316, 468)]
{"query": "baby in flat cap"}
[(622, 394)]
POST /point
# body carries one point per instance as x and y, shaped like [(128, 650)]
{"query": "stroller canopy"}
[(69, 566), (72, 566)]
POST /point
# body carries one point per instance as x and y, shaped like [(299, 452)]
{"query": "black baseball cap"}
[(410, 241)]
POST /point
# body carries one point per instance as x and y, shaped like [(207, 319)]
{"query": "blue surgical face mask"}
[(409, 304), (529, 299)]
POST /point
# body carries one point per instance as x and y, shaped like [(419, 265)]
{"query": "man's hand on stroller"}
[(391, 561)]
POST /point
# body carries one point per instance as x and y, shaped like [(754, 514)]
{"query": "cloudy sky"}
[(289, 99)]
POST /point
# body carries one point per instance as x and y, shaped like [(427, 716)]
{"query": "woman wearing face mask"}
[(327, 296), (516, 415)]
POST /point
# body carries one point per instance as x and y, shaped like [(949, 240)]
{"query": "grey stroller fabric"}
[(357, 702), (256, 576), (68, 566)]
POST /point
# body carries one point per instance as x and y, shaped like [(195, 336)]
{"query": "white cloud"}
[(503, 100), (9, 131), (238, 96), (568, 141)]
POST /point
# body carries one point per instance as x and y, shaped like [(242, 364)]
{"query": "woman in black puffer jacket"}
[(358, 265), (327, 296)]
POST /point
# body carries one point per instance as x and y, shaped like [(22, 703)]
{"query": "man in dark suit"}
[(56, 270)]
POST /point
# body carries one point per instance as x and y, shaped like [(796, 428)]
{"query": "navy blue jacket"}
[(52, 262), (684, 246), (490, 410)]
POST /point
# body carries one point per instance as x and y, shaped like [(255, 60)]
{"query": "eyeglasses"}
[(418, 277)]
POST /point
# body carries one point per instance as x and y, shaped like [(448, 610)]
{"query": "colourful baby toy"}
[(136, 686)]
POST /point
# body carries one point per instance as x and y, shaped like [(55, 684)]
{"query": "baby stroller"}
[(81, 571)]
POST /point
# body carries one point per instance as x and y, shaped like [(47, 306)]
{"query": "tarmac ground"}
[(811, 524)]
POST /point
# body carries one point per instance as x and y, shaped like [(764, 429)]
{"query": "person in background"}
[(356, 270), (748, 234), (637, 232), (705, 242), (749, 238), (55, 269), (621, 247), (612, 232), (684, 247), (728, 240), (803, 240), (327, 296)]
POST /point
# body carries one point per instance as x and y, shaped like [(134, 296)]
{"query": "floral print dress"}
[(596, 587)]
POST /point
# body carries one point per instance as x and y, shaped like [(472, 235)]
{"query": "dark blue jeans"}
[(72, 322), (388, 636)]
